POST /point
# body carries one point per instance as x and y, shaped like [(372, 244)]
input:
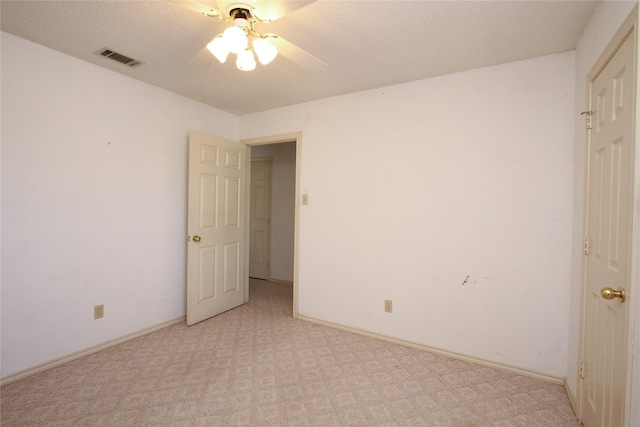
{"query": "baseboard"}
[(284, 282), (73, 356), (68, 358), (572, 399), (472, 359)]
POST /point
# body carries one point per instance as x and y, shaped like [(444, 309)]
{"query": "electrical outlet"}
[(388, 306), (98, 311), (305, 199)]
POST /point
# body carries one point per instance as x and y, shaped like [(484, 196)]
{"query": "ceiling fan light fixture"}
[(246, 61), (266, 51), (218, 48), (242, 39), (235, 38)]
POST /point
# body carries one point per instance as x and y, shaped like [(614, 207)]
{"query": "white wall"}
[(283, 189), (605, 22), (94, 177), (418, 188)]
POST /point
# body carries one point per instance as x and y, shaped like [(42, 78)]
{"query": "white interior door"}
[(260, 211), (609, 231), (216, 270)]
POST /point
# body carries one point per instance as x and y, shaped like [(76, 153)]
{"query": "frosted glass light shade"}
[(266, 51), (246, 61), (218, 47), (236, 39)]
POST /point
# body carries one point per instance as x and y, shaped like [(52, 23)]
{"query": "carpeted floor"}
[(257, 366)]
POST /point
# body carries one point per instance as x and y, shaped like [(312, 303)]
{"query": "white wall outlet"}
[(305, 199)]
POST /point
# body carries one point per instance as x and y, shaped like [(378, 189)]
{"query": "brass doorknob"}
[(609, 293), (196, 238)]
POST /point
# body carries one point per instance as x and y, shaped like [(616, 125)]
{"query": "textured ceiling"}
[(366, 44)]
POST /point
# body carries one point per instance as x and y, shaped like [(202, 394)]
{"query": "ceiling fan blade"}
[(298, 55), (270, 10), (202, 58), (204, 7)]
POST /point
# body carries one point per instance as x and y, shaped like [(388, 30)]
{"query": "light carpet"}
[(257, 366)]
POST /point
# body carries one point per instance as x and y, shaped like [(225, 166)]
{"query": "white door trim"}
[(275, 139), (629, 25)]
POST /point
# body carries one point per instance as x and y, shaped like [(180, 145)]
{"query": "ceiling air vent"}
[(108, 53)]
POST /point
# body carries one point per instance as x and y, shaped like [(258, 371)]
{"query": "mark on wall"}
[(466, 281)]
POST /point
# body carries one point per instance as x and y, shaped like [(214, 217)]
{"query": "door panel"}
[(231, 267), (208, 201), (216, 271), (609, 231), (232, 202), (207, 272)]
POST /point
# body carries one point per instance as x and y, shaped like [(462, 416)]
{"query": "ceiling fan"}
[(242, 37)]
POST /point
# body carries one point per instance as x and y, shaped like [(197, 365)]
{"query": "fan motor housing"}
[(228, 7), (240, 13)]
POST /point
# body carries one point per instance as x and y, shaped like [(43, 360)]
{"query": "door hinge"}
[(588, 114), (585, 246), (581, 369)]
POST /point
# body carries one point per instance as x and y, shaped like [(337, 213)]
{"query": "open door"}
[(260, 220), (216, 269)]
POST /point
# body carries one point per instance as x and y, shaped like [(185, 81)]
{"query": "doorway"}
[(283, 153)]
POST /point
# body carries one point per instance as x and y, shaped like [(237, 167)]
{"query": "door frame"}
[(630, 24), (277, 139)]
